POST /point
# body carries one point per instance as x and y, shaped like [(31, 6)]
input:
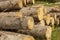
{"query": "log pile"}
[(27, 20), (54, 12), (34, 11)]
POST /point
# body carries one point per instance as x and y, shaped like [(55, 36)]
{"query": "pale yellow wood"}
[(40, 13)]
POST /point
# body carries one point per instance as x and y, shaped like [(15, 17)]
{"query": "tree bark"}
[(34, 11), (4, 35), (39, 31), (10, 4), (15, 20)]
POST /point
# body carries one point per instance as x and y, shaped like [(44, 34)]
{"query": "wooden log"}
[(10, 4), (28, 21), (15, 20), (47, 19), (52, 21), (39, 31), (2, 0), (42, 22), (34, 11), (4, 35)]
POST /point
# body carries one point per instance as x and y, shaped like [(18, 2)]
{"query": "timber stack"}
[(28, 21)]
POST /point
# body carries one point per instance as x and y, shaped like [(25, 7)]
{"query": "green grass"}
[(56, 34)]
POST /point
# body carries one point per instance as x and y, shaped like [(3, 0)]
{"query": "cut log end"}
[(19, 14), (20, 3), (42, 22), (48, 33), (28, 38), (52, 21), (30, 23), (40, 13)]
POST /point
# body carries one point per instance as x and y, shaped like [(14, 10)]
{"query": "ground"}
[(56, 34)]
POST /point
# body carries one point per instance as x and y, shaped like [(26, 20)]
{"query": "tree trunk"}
[(4, 35), (39, 31), (15, 20), (10, 4), (34, 11)]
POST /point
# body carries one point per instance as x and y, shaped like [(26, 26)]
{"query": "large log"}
[(34, 11), (10, 4), (15, 20), (39, 31), (4, 35)]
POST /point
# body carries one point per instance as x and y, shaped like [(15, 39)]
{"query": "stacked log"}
[(4, 35), (34, 11), (15, 20), (39, 31), (10, 4), (42, 22), (47, 19), (55, 17)]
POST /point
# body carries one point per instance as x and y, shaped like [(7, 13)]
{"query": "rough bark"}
[(15, 20), (2, 0), (4, 35), (39, 31), (10, 4), (34, 11)]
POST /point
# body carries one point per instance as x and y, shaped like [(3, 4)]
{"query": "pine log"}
[(15, 20), (34, 11), (10, 4), (39, 31), (4, 35)]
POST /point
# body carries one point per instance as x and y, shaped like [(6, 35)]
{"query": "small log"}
[(10, 4), (15, 20), (34, 11), (28, 21), (42, 22), (4, 35), (39, 31), (47, 19)]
